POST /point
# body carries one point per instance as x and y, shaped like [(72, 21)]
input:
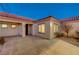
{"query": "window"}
[(42, 28), (4, 26), (55, 27), (13, 26)]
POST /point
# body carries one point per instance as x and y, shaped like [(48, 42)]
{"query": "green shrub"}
[(77, 36), (58, 34), (77, 32)]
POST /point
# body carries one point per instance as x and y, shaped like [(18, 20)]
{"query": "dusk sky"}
[(38, 10)]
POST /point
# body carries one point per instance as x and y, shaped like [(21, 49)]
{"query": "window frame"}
[(55, 27), (42, 28)]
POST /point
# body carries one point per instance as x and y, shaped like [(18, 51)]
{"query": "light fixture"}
[(4, 25), (13, 26)]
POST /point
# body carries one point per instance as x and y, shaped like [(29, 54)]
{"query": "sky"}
[(41, 10)]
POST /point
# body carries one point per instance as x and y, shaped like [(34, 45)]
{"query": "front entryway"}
[(26, 29)]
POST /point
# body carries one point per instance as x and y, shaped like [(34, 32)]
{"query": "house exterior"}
[(46, 27), (12, 25), (73, 24)]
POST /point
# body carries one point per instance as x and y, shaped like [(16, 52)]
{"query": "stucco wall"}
[(49, 33), (30, 29), (73, 24), (43, 35), (10, 31), (52, 35)]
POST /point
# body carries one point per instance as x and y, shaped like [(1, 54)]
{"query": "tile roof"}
[(71, 18), (4, 14), (46, 19)]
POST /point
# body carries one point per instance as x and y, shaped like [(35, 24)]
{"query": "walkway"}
[(31, 45)]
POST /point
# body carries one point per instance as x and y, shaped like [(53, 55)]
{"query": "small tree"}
[(67, 28)]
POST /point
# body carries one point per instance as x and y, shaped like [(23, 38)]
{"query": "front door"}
[(26, 29)]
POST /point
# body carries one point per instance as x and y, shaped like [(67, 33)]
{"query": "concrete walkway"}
[(31, 45), (71, 41)]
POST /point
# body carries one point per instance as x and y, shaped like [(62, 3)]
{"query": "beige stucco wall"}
[(49, 33), (20, 30), (30, 29), (52, 35), (10, 31), (43, 35)]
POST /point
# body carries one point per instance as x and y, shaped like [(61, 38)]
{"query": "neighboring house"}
[(73, 25), (12, 25)]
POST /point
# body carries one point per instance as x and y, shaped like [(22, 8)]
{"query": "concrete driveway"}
[(27, 45), (31, 45)]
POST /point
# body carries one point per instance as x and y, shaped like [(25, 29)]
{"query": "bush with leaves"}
[(58, 34), (77, 34)]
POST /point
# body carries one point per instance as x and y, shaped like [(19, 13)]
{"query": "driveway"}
[(31, 45), (27, 45)]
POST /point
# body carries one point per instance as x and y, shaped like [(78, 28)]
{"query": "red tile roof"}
[(71, 19), (4, 14)]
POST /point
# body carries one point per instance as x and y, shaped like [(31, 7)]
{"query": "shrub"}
[(2, 40), (77, 32), (77, 36), (58, 34)]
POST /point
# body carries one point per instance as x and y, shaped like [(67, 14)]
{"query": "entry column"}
[(23, 30)]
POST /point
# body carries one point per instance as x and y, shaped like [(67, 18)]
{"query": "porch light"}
[(13, 26), (4, 25)]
